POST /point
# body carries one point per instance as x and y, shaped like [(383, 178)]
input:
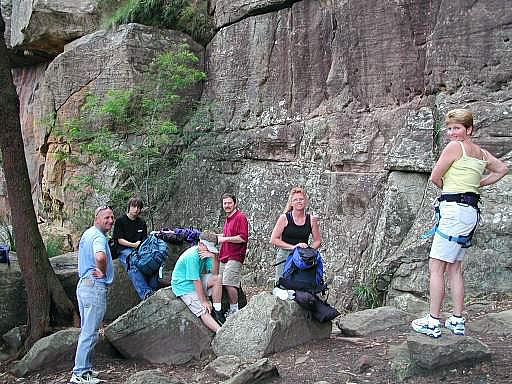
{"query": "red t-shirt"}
[(235, 225)]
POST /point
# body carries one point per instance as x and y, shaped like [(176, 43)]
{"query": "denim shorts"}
[(456, 219)]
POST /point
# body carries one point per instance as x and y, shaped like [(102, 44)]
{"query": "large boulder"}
[(161, 329), (58, 349), (13, 300), (423, 356), (498, 324), (46, 26), (267, 325), (121, 295), (371, 321)]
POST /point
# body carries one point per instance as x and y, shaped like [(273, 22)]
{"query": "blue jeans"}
[(92, 303), (143, 284)]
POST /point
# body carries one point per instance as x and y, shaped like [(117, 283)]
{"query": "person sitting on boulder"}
[(195, 274), (129, 232)]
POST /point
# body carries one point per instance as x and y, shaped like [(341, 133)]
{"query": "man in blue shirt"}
[(95, 275), (194, 275)]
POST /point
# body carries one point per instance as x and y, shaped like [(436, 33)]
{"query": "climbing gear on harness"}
[(468, 198)]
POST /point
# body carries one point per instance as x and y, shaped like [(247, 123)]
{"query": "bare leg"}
[(456, 287), (437, 269), (215, 284), (210, 322), (232, 294)]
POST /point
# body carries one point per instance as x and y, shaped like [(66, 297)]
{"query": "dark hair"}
[(135, 202), (229, 196)]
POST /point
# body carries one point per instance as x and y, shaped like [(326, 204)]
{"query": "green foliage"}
[(53, 246), (7, 234), (132, 132), (187, 16), (367, 295)]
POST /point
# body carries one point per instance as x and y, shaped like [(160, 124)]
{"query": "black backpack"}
[(4, 254), (320, 309)]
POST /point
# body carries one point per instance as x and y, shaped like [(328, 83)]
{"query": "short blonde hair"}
[(293, 191), (459, 116)]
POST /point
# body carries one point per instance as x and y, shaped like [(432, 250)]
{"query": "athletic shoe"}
[(219, 317), (85, 378), (428, 326), (94, 373), (456, 325)]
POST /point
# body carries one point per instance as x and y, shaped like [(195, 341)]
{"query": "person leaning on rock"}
[(293, 229), (194, 276), (459, 173), (95, 275), (129, 232)]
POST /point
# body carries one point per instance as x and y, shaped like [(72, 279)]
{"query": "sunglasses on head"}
[(102, 208)]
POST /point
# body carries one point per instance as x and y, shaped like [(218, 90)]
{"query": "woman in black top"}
[(293, 228)]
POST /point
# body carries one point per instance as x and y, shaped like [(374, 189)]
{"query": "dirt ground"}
[(335, 360)]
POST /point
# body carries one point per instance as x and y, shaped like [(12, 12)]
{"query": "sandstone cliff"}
[(343, 98)]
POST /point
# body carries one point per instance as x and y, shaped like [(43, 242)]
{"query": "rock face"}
[(343, 98), (346, 99), (93, 64), (267, 325), (161, 329)]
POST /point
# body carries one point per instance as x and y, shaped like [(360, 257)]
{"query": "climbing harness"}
[(468, 198)]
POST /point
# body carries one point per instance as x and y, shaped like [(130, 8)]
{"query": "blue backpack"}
[(304, 271), (150, 256)]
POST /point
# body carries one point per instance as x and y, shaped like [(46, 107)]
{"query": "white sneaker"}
[(456, 325), (85, 378), (428, 326), (281, 293)]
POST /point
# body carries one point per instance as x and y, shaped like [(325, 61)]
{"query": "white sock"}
[(217, 306), (233, 307)]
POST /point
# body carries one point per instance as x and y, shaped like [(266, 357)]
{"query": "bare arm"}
[(450, 153), (315, 231), (202, 297), (126, 243), (231, 239), (101, 265), (497, 169), (277, 232)]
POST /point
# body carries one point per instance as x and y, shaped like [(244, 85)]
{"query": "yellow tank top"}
[(464, 174)]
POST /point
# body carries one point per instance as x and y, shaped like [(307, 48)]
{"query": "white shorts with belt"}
[(456, 220)]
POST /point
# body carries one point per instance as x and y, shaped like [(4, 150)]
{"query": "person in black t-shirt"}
[(129, 232), (293, 228)]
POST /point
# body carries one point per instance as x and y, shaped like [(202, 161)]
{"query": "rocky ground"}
[(338, 359)]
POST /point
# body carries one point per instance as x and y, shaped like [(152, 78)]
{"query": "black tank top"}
[(294, 234)]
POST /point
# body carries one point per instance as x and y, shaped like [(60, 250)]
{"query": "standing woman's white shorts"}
[(456, 219)]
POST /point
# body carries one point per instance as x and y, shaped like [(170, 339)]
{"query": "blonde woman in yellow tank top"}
[(461, 170)]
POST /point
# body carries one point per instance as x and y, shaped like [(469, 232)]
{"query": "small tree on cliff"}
[(41, 283), (135, 132)]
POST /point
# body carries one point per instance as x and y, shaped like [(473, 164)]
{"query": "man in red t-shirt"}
[(233, 246)]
